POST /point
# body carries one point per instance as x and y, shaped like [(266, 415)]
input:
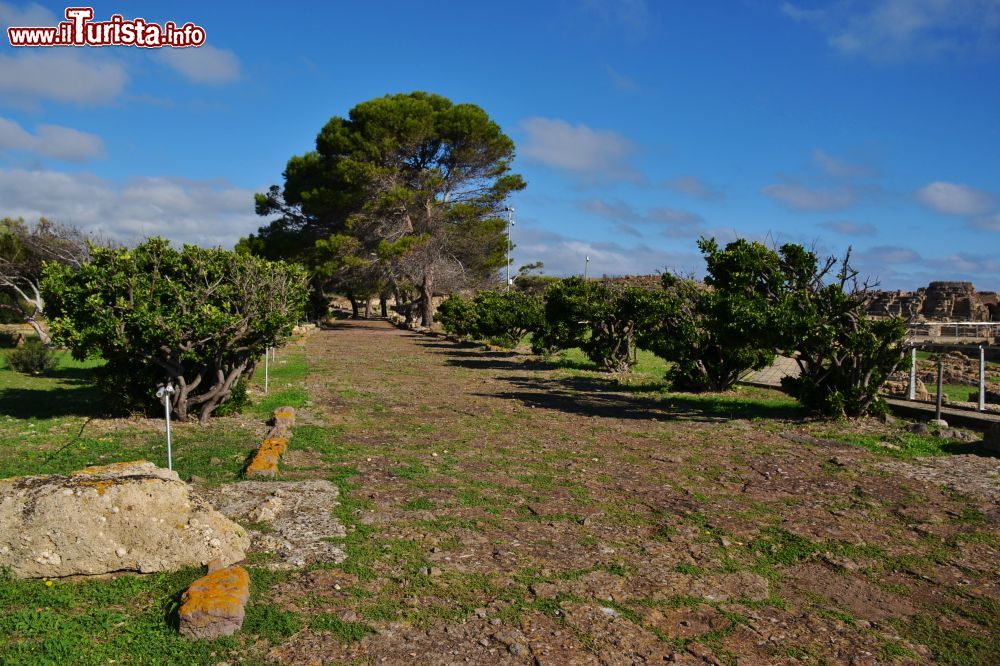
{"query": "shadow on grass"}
[(72, 375), (596, 397), (969, 449), (25, 403)]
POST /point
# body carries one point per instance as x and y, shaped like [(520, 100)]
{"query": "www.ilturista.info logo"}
[(80, 30)]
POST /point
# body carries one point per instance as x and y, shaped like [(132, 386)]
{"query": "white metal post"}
[(165, 392), (913, 373), (267, 355), (586, 265), (982, 379)]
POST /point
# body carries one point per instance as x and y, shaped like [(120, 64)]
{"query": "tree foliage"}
[(24, 249), (416, 181), (196, 317), (599, 317), (844, 356), (715, 333), (501, 317)]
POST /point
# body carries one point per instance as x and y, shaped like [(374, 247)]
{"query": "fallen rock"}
[(298, 515), (284, 418), (265, 461), (213, 605), (131, 516)]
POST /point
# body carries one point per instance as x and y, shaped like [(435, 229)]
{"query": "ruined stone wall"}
[(939, 301)]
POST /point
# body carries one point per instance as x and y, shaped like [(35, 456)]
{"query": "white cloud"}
[(968, 263), (207, 213), (694, 187), (62, 75), (956, 199), (670, 221), (887, 254), (848, 228), (800, 197), (30, 15), (587, 153), (987, 223), (51, 141), (203, 64), (892, 30), (838, 167), (631, 17), (564, 255), (621, 81)]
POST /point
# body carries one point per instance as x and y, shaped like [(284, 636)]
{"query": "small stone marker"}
[(284, 418), (214, 604), (265, 462)]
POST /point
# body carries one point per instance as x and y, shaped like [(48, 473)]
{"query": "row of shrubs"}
[(755, 303)]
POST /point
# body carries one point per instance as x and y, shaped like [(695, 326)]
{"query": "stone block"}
[(213, 605)]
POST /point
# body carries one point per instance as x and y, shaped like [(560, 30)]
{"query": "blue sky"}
[(640, 125)]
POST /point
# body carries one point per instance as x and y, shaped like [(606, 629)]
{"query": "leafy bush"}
[(197, 317), (502, 318), (600, 318), (34, 358), (239, 398), (457, 316), (844, 356), (713, 334)]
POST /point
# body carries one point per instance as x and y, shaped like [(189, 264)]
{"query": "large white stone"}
[(130, 516)]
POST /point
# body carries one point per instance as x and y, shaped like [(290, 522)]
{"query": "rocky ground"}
[(500, 510)]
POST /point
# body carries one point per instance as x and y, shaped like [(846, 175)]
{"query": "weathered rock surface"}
[(265, 461), (298, 514), (130, 516), (213, 605)]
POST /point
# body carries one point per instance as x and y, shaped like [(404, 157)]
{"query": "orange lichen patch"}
[(103, 469), (277, 444), (265, 462), (213, 605), (99, 486)]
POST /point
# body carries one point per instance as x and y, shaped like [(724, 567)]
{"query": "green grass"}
[(903, 445), (649, 365), (97, 622)]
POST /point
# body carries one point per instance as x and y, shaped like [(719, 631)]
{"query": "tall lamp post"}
[(510, 223)]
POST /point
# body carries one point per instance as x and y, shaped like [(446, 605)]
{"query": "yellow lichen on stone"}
[(104, 469), (213, 605), (265, 462)]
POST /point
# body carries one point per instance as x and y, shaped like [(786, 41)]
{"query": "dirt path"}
[(501, 511)]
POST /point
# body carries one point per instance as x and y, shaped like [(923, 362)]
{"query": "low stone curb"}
[(265, 461), (213, 605)]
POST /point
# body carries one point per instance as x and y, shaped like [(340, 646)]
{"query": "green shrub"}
[(716, 332), (600, 318), (238, 399), (34, 358), (197, 317), (504, 318), (844, 356), (457, 316)]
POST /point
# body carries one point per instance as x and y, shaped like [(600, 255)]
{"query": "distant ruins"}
[(939, 301)]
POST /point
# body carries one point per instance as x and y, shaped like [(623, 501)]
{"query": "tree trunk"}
[(427, 294), (354, 306), (383, 302), (40, 332), (368, 307)]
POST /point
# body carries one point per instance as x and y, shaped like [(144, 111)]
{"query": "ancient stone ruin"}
[(939, 301), (130, 516)]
